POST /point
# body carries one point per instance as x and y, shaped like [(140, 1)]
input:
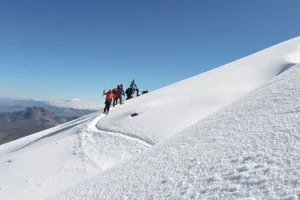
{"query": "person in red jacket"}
[(109, 97)]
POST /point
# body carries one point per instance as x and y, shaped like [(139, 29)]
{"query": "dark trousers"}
[(128, 96), (107, 106), (115, 101)]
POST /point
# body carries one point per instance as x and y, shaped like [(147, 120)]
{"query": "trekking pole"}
[(103, 92)]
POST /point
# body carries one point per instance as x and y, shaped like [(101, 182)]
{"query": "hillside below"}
[(28, 121)]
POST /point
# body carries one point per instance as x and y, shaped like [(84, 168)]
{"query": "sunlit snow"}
[(229, 133)]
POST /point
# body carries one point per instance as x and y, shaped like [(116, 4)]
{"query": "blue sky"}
[(53, 50)]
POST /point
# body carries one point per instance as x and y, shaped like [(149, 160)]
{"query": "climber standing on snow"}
[(129, 92), (134, 88), (121, 90), (117, 94), (109, 97)]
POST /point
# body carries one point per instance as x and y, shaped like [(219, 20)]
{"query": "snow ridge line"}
[(57, 129), (93, 128), (132, 138), (128, 136)]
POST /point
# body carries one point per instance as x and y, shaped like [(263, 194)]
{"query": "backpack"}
[(115, 91)]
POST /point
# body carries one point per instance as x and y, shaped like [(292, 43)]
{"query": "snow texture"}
[(248, 150), (230, 133), (167, 111), (42, 164)]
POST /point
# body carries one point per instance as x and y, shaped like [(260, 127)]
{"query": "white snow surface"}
[(42, 164), (229, 133), (248, 150), (167, 111), (75, 103)]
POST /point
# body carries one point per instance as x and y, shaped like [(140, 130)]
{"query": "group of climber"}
[(116, 94)]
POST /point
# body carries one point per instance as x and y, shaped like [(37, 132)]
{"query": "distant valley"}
[(67, 108), (19, 124), (19, 118)]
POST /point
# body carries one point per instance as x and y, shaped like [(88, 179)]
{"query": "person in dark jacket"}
[(129, 92), (116, 92), (108, 100), (121, 90)]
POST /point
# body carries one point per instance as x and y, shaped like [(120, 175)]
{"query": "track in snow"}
[(105, 148), (92, 127)]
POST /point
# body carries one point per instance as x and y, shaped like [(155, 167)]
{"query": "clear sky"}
[(62, 49)]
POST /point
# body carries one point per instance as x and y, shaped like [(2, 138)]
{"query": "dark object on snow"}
[(129, 92), (145, 91), (134, 114)]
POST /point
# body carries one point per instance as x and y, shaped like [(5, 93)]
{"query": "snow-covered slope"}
[(169, 110), (42, 164), (222, 153), (249, 150)]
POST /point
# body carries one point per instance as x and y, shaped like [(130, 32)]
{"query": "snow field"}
[(230, 133), (169, 110), (40, 165), (248, 150)]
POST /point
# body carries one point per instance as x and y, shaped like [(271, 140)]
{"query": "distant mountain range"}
[(73, 103), (67, 108), (18, 124)]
